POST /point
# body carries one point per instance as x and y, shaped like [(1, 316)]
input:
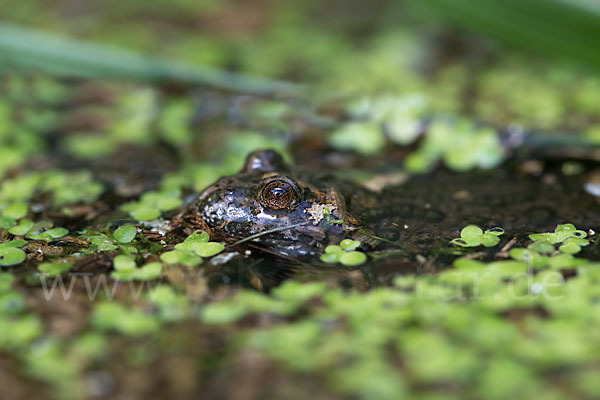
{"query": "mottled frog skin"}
[(268, 195)]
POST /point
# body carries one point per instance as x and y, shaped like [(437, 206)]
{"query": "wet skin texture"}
[(269, 195)]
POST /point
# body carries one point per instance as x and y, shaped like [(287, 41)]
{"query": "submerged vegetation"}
[(459, 290)]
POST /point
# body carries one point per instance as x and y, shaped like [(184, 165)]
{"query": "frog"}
[(286, 211)]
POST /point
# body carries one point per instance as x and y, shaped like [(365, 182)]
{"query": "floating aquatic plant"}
[(11, 254), (121, 238), (344, 253), (54, 269), (191, 251), (473, 236), (460, 143), (127, 270), (113, 316), (151, 204)]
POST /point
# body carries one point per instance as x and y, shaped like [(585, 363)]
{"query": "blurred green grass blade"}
[(23, 47), (569, 29)]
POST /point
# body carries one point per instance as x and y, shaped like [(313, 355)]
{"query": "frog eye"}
[(279, 194)]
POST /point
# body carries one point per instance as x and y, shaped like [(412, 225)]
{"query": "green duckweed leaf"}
[(7, 222), (489, 239), (148, 271), (209, 249), (11, 303), (182, 257), (11, 256), (349, 244), (15, 210), (353, 258), (495, 231), (565, 228), (171, 257), (193, 241), (471, 232), (145, 213), (6, 281), (125, 233), (530, 257), (331, 257), (364, 137), (13, 243), (466, 243), (565, 261), (466, 263), (112, 316), (53, 269), (570, 247), (123, 262), (22, 228), (542, 246), (333, 248)]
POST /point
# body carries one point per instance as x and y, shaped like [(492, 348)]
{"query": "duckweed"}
[(11, 256), (344, 253), (363, 137), (349, 244), (122, 238), (125, 269), (192, 249), (171, 305), (473, 236), (151, 204), (125, 233), (460, 144), (112, 316), (561, 234), (63, 187), (54, 269)]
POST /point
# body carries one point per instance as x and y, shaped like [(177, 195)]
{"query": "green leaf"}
[(125, 233), (542, 246), (6, 222), (181, 257), (562, 261), (13, 243), (149, 271), (47, 235), (53, 269), (471, 232), (112, 316), (24, 226), (11, 256), (123, 262), (495, 231), (466, 243), (353, 258), (466, 263), (489, 239), (145, 214), (349, 244), (209, 249), (331, 257), (570, 248), (15, 210), (333, 248), (565, 228), (171, 257), (56, 233), (530, 257)]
